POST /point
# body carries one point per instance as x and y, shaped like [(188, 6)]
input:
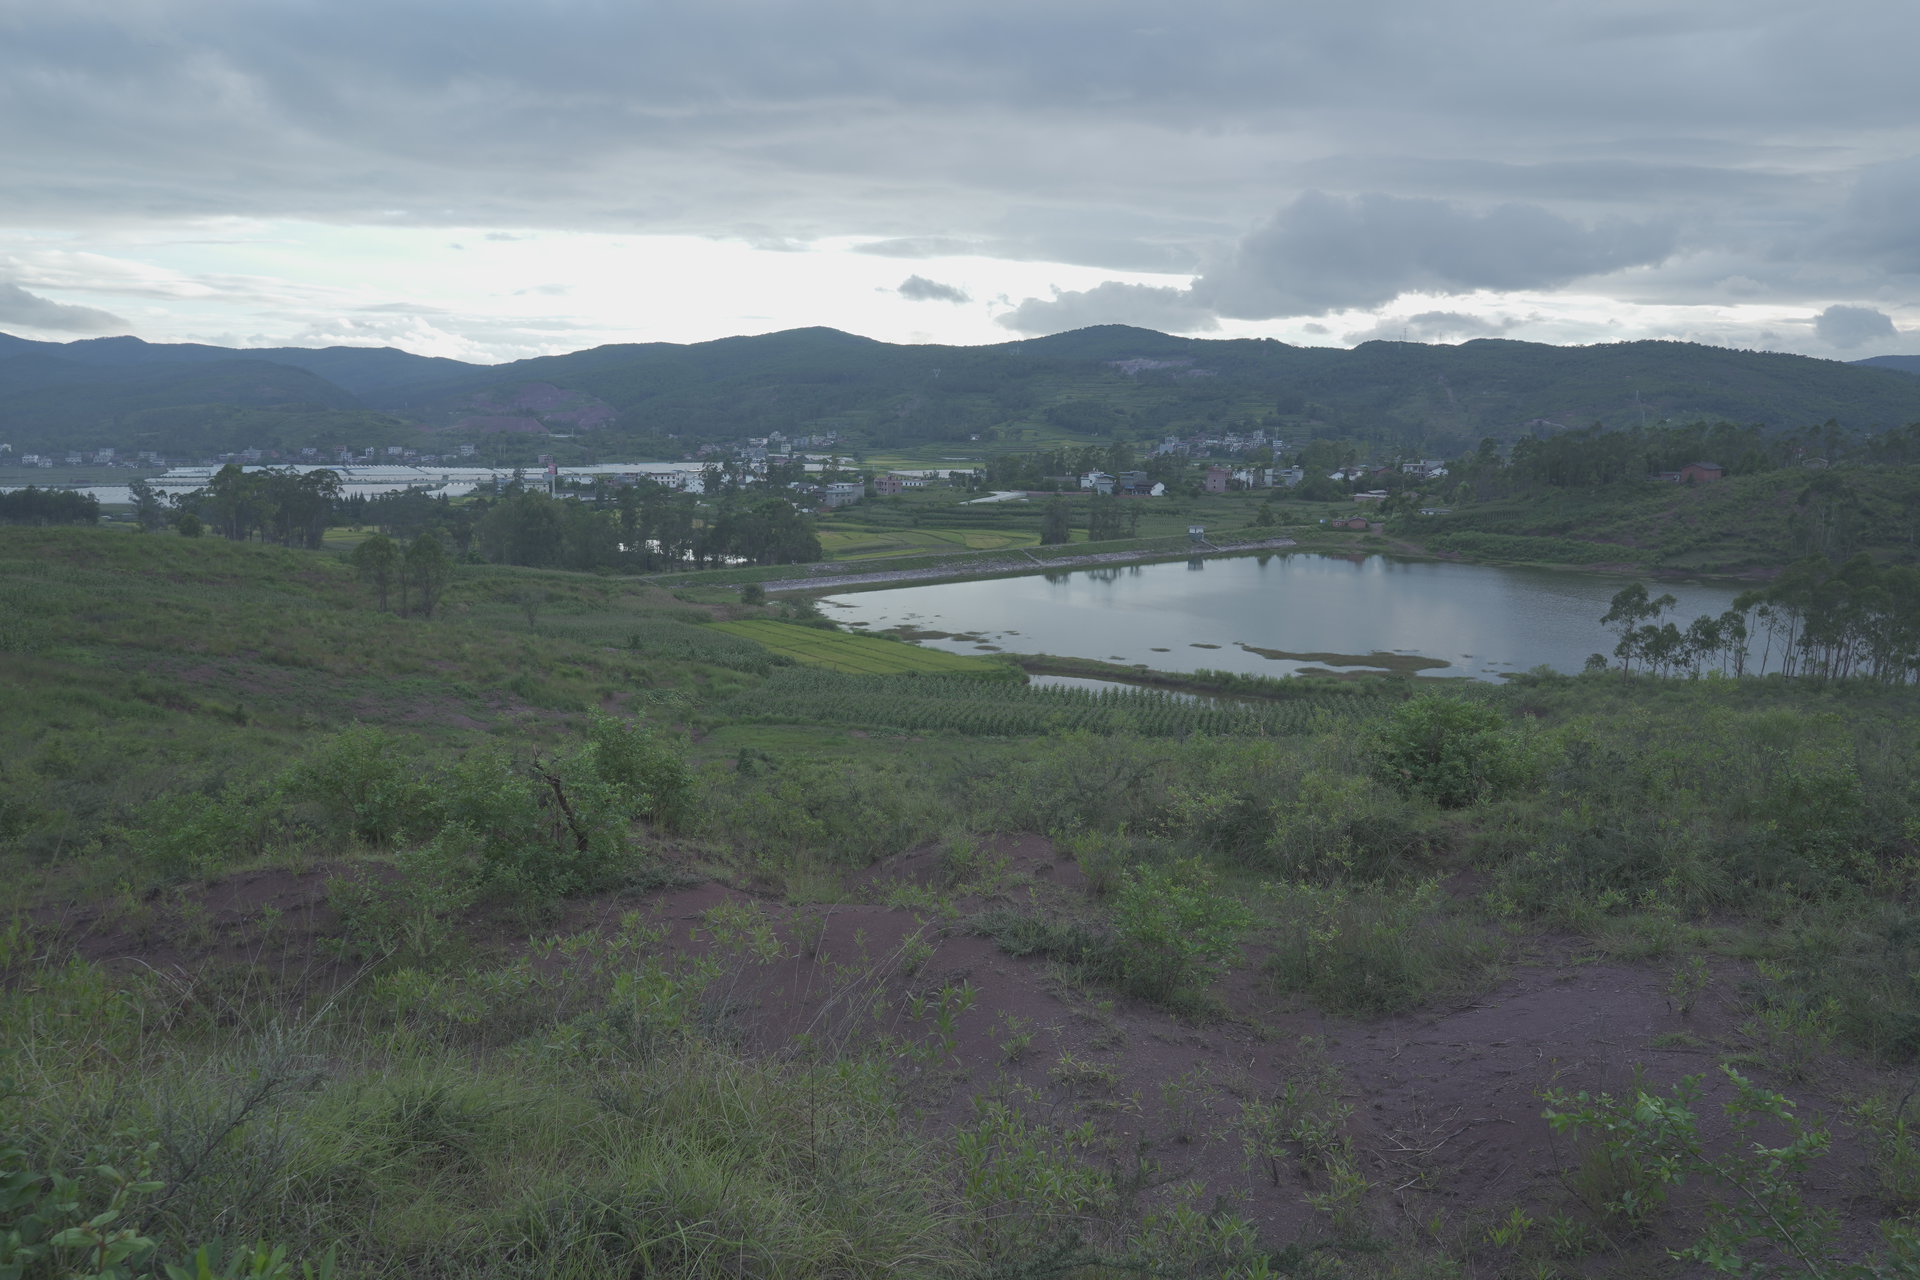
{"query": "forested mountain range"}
[(1108, 381)]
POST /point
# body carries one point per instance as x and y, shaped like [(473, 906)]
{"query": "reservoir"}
[(1279, 614)]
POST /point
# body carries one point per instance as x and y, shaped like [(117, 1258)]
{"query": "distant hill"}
[(1144, 384), (1905, 364), (1109, 380), (355, 370)]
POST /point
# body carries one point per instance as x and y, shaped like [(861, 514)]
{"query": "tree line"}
[(1596, 456), (33, 505), (643, 527), (1108, 518), (1816, 621), (640, 527), (282, 505)]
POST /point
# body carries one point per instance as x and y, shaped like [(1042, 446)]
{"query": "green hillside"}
[(555, 931)]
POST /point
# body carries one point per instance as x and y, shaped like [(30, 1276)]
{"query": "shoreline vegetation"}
[(1001, 565)]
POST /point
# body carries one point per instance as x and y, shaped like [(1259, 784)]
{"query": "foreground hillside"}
[(563, 933)]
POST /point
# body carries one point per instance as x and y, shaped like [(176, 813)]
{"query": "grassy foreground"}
[(566, 933)]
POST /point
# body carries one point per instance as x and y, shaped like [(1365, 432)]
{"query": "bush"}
[(191, 833), (1451, 751), (362, 782), (541, 833), (1176, 930), (648, 773)]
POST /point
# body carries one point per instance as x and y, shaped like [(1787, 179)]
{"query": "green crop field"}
[(859, 655)]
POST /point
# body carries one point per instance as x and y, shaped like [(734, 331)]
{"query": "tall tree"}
[(149, 511), (377, 560), (1631, 612), (1056, 522), (428, 568)]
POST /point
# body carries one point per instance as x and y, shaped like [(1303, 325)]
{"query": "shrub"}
[(542, 833), (648, 772), (1176, 930), (191, 833), (362, 782), (1451, 751)]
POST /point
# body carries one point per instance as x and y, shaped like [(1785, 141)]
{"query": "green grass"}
[(857, 655), (481, 1092)]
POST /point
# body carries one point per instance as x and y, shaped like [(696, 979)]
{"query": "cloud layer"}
[(1267, 162), (30, 311)]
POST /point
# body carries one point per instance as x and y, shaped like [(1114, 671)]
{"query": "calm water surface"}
[(1479, 621)]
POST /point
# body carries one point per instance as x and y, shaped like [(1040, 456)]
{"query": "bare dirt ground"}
[(1443, 1106)]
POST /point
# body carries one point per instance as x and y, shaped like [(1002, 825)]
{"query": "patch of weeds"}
[(1892, 1139), (941, 1011), (1794, 1032), (1080, 1075), (1016, 1037), (1653, 933), (969, 867), (1685, 984), (1359, 951), (1640, 1147), (1029, 933), (807, 929), (1676, 1040), (1189, 1101), (915, 950), (1302, 1126)]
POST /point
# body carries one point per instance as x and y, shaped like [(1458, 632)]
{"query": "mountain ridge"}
[(1101, 380)]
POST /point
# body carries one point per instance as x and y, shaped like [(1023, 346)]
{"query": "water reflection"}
[(1315, 609)]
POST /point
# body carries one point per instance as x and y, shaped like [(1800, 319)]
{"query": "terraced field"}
[(859, 655)]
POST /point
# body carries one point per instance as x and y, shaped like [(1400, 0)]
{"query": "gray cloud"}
[(1330, 253), (1325, 253), (31, 311), (1493, 144), (921, 289), (1878, 221), (1849, 327), (1147, 306)]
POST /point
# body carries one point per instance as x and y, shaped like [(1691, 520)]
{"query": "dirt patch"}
[(1443, 1107)]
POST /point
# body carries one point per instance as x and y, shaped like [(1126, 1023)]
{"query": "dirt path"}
[(1010, 564)]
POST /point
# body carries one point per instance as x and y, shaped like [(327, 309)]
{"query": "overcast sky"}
[(496, 180)]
